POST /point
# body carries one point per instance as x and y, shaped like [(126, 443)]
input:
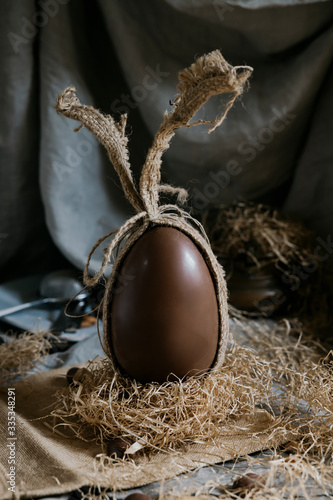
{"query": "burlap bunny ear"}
[(109, 133), (210, 75)]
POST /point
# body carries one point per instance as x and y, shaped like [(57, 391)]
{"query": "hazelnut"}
[(77, 375), (116, 447), (292, 446), (138, 496), (70, 374), (249, 481), (88, 321)]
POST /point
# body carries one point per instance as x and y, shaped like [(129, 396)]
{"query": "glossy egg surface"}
[(164, 320)]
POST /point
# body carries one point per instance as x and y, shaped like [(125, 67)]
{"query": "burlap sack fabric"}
[(49, 463)]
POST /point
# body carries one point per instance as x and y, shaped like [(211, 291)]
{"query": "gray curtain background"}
[(58, 192)]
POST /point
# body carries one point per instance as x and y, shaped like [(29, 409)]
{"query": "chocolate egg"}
[(164, 321)]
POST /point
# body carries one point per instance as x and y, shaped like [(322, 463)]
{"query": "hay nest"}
[(105, 405), (255, 236), (258, 232), (283, 372)]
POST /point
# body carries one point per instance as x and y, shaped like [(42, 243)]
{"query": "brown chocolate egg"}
[(164, 320)]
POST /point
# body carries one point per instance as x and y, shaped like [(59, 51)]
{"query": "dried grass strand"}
[(21, 353)]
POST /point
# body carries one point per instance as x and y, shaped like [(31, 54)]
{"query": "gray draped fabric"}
[(58, 191)]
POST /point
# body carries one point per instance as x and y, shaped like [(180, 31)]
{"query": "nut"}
[(88, 321), (116, 447), (76, 376), (70, 374), (138, 496), (292, 446), (249, 481)]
